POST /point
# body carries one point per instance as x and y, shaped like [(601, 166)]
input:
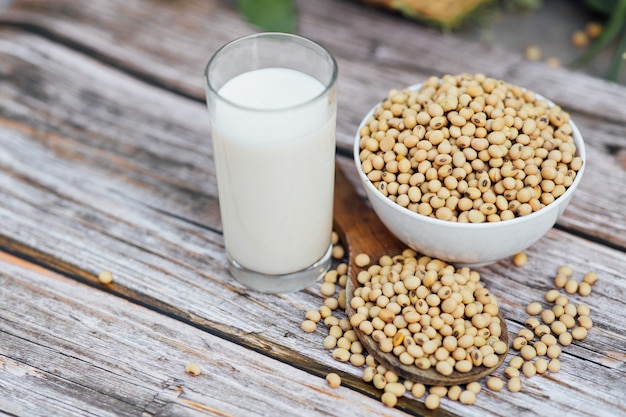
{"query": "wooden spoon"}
[(361, 231)]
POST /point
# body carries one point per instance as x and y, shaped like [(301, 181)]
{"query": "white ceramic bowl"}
[(467, 244)]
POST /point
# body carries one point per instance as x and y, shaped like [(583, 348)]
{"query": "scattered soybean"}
[(193, 369), (105, 277), (333, 380)]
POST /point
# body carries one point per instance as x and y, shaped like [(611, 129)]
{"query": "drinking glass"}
[(272, 105)]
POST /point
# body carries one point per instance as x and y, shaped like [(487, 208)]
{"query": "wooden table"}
[(106, 163)]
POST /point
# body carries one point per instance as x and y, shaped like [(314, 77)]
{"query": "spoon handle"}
[(358, 225)]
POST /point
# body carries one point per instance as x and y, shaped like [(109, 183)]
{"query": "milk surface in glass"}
[(274, 152)]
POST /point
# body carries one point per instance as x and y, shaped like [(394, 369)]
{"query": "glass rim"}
[(300, 39)]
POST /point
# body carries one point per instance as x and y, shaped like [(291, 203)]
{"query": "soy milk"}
[(270, 122)]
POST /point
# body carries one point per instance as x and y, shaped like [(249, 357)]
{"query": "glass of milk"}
[(272, 106)]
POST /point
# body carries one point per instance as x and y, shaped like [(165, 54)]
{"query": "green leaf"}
[(601, 6), (619, 58), (270, 15), (612, 29)]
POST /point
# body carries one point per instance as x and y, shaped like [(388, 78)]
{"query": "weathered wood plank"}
[(398, 53), (599, 359), (168, 274), (67, 179), (68, 350), (165, 32)]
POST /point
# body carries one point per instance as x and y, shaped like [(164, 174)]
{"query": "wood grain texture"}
[(69, 349), (105, 163), (146, 36), (132, 37)]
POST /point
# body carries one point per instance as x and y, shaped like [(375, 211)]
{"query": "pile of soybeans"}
[(553, 323), (469, 148)]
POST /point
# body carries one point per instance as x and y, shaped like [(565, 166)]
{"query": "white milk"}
[(275, 169)]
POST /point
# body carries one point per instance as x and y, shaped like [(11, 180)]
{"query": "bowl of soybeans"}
[(467, 168)]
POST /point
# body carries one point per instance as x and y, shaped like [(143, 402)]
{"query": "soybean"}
[(514, 384), (534, 308), (327, 289), (432, 401), (395, 388), (520, 259), (590, 278), (541, 365), (528, 352), (579, 333), (439, 390), (494, 383), (565, 339), (341, 354), (474, 387), (467, 397), (528, 369), (516, 362), (193, 369), (389, 399), (552, 295), (571, 286), (361, 260), (584, 288), (554, 351), (554, 365), (459, 123), (388, 304), (333, 380), (313, 315), (418, 390), (512, 372), (454, 392), (425, 334), (105, 277), (309, 326)]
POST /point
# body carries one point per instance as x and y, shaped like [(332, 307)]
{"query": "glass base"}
[(282, 283)]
